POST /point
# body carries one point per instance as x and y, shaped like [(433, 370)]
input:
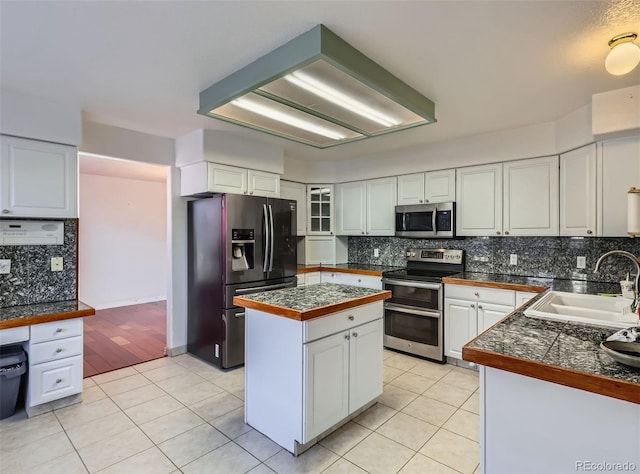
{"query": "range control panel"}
[(435, 255)]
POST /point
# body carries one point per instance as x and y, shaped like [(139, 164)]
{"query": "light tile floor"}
[(182, 415)]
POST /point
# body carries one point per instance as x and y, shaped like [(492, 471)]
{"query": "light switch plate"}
[(5, 266), (581, 262), (513, 260), (376, 252), (56, 264)]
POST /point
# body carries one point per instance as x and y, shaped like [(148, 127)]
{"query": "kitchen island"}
[(313, 359), (551, 400)]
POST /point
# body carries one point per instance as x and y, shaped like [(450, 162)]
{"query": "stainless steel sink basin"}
[(614, 312)]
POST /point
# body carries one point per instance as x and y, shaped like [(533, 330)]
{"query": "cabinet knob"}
[(473, 306), (506, 232), (479, 306), (589, 232), (363, 233), (347, 337), (250, 192), (420, 201), (6, 211), (59, 350), (426, 200), (351, 318), (355, 334), (59, 330), (359, 280), (498, 232), (477, 294), (58, 380)]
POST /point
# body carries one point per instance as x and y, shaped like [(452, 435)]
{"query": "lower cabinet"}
[(304, 377), (353, 279), (471, 310), (55, 361)]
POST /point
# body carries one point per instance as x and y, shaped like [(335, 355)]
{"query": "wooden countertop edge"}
[(311, 313), (619, 389), (493, 284), (46, 318), (341, 270)]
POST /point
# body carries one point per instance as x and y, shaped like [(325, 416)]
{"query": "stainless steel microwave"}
[(424, 221)]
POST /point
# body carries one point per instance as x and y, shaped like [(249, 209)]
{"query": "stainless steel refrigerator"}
[(237, 245)]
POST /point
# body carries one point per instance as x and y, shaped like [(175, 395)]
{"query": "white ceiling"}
[(487, 65)]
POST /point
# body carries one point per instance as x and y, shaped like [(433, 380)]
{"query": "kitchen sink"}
[(614, 312)]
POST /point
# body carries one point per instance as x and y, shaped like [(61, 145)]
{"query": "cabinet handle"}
[(58, 380), (59, 350), (506, 232), (477, 294), (589, 232), (359, 280), (59, 330), (351, 318), (498, 232), (420, 201), (250, 192), (362, 233), (473, 306), (355, 334), (347, 337), (6, 211), (426, 200), (479, 306)]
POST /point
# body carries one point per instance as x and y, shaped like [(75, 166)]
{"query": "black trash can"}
[(13, 365)]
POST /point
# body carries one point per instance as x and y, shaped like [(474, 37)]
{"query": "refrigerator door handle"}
[(272, 233), (266, 238)]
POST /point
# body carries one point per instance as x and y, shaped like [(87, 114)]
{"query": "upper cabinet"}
[(297, 192), (206, 177), (479, 200), (531, 200), (578, 192), (431, 187), (37, 179), (366, 207), (511, 198), (320, 209), (618, 167)]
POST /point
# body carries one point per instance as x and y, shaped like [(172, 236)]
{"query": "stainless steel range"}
[(413, 317)]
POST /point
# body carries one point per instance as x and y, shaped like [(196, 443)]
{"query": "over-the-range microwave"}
[(424, 221)]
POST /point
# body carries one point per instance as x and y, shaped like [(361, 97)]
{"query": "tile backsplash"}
[(31, 279), (553, 257)]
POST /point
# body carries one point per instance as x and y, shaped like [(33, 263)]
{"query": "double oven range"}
[(413, 316)]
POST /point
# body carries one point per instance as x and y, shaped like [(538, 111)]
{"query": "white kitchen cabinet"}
[(365, 364), (320, 209), (531, 200), (55, 361), (366, 207), (479, 200), (471, 310), (206, 177), (578, 192), (296, 192), (37, 179), (618, 164), (430, 187), (366, 281), (324, 250)]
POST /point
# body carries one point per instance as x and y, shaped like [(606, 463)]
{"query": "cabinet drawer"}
[(53, 380), (488, 295), (54, 350), (342, 320), (12, 335), (56, 330)]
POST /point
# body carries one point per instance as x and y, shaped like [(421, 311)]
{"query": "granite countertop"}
[(25, 315), (357, 268), (304, 303), (566, 353)]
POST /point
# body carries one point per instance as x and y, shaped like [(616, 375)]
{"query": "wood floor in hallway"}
[(120, 337)]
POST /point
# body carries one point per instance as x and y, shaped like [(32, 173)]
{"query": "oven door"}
[(422, 295), (413, 330)]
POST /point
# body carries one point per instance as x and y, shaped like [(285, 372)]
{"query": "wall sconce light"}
[(624, 55)]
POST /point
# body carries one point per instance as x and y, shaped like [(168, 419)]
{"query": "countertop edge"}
[(492, 284), (356, 271), (598, 384), (306, 315), (47, 318)]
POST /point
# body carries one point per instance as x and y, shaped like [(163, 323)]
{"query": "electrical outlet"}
[(581, 262), (376, 252), (56, 264), (513, 260), (5, 266)]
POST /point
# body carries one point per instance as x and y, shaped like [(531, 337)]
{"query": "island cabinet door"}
[(326, 384), (365, 364)]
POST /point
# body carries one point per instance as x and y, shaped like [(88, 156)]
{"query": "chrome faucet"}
[(634, 259)]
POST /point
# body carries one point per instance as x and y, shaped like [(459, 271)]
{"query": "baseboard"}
[(176, 351), (118, 304)]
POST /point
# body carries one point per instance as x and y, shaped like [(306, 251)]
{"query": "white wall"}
[(122, 251)]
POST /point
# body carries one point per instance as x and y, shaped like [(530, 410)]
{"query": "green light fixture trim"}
[(317, 90)]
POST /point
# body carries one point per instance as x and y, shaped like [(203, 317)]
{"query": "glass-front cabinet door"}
[(320, 209)]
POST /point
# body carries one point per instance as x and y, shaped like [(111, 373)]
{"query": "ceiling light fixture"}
[(624, 55), (318, 90)]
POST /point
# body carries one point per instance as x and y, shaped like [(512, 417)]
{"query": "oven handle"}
[(410, 310), (411, 283)]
